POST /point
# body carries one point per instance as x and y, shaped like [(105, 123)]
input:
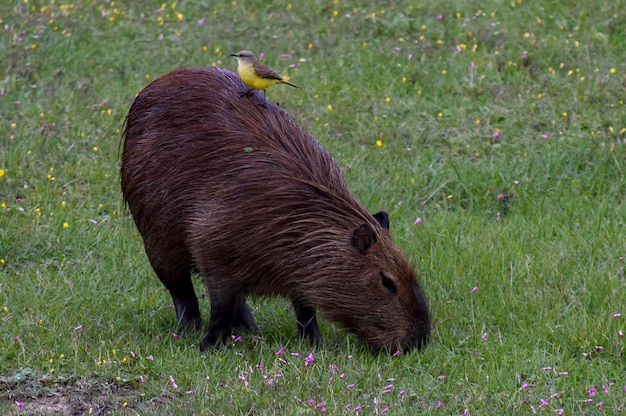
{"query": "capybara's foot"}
[(307, 323)]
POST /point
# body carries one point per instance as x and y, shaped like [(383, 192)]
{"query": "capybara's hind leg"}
[(221, 322), (243, 318), (176, 277), (307, 322), (186, 303)]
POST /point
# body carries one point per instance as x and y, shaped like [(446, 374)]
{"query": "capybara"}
[(225, 185)]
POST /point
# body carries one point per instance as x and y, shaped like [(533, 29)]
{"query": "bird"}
[(256, 74)]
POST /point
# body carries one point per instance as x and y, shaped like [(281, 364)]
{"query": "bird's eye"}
[(388, 283)]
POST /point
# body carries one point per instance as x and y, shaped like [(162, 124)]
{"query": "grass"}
[(499, 124)]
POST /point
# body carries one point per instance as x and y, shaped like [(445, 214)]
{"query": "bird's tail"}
[(290, 84)]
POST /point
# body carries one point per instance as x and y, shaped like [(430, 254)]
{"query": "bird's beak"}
[(234, 54)]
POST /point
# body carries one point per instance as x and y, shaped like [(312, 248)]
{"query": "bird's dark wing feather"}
[(265, 72)]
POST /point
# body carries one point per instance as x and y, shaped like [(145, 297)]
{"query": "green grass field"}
[(500, 125)]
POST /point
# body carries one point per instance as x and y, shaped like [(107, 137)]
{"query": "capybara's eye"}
[(388, 283)]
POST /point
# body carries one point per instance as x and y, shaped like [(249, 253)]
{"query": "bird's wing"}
[(265, 72)]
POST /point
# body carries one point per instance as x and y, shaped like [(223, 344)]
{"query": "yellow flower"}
[(66, 225), (612, 70), (1, 173), (379, 143), (330, 107), (388, 100)]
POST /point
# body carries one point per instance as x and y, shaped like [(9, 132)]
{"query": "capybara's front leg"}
[(307, 322)]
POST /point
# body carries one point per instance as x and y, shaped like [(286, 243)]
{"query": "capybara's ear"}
[(383, 219), (363, 238)]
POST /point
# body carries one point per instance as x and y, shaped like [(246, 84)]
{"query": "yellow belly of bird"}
[(250, 77)]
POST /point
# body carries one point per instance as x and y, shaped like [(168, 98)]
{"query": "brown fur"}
[(229, 187)]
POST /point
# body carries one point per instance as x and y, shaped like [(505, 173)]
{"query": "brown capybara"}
[(225, 185)]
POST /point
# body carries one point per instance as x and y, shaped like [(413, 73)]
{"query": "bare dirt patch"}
[(26, 394)]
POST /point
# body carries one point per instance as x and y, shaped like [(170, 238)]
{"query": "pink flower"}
[(501, 197), (174, 385), (174, 335), (475, 289), (524, 386), (281, 351), (545, 136), (496, 135), (385, 410), (191, 392), (418, 220), (439, 405), (543, 403), (617, 315), (19, 404), (309, 359)]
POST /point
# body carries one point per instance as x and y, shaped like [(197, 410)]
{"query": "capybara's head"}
[(373, 291)]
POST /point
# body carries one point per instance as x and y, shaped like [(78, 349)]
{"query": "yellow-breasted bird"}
[(255, 74)]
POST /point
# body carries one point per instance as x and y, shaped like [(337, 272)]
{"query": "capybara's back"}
[(224, 184)]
